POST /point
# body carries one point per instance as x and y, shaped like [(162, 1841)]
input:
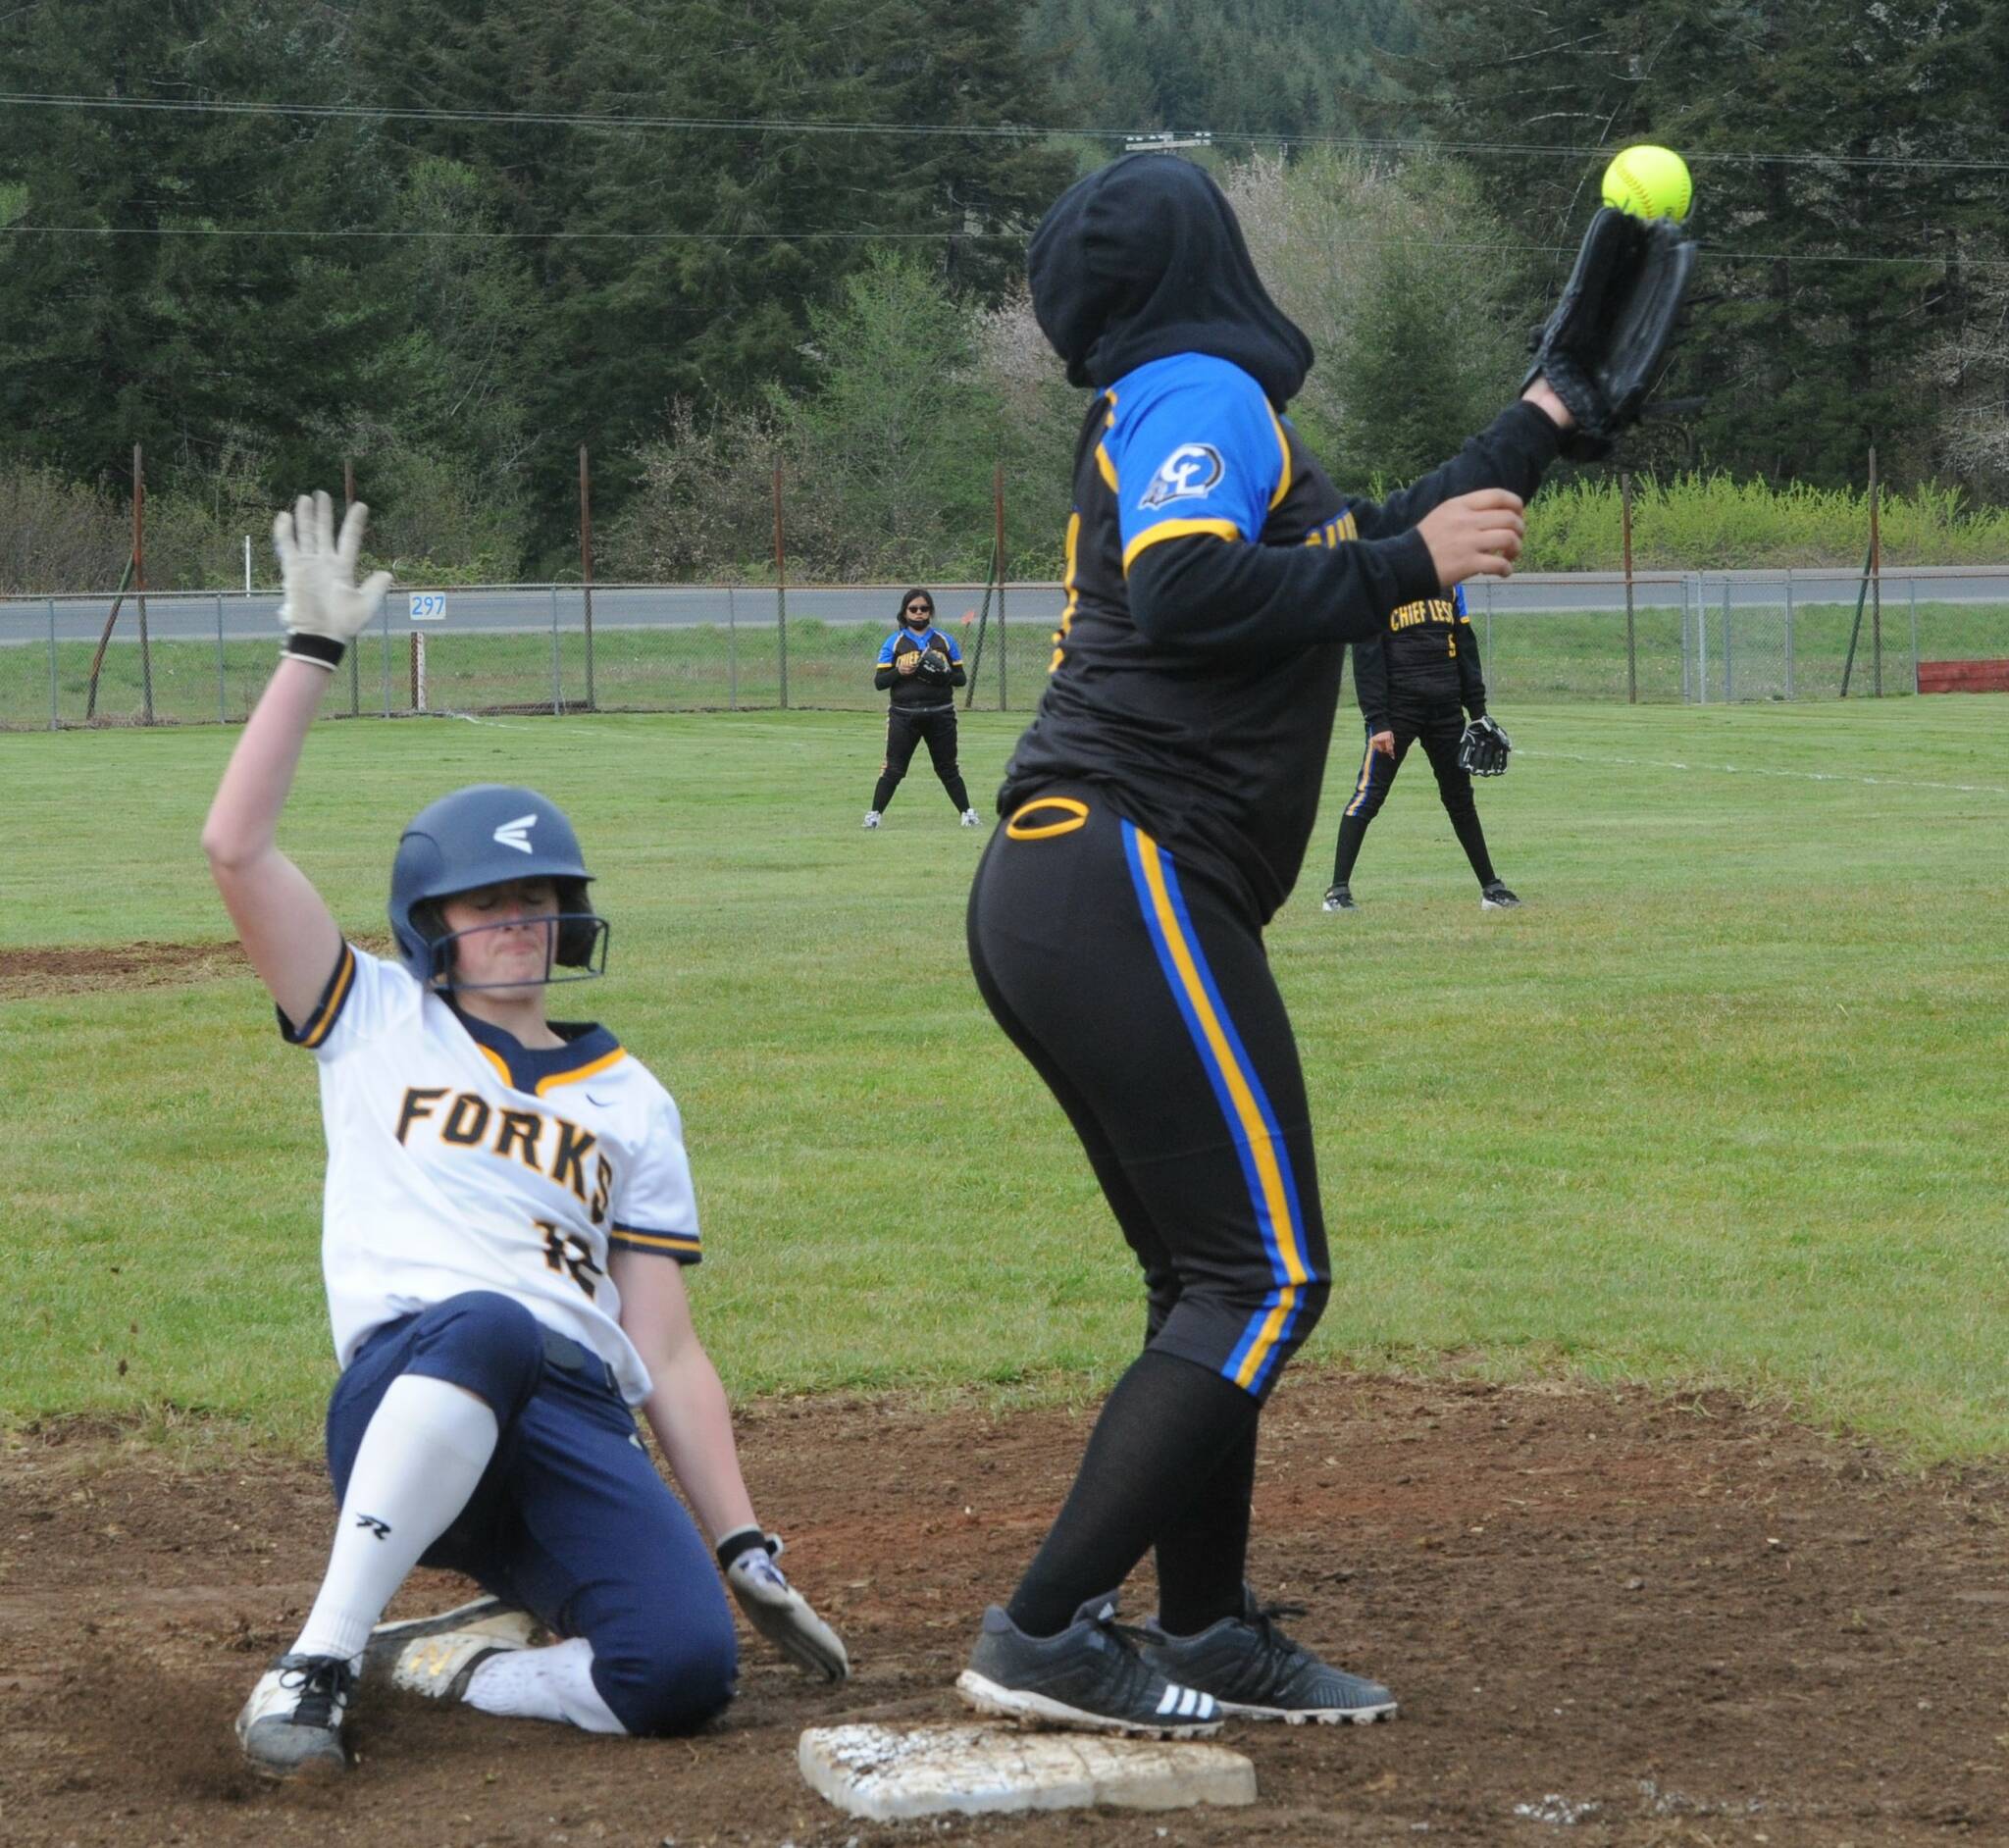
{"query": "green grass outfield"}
[(1724, 1104)]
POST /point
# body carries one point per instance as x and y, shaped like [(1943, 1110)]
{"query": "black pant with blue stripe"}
[(1139, 990)]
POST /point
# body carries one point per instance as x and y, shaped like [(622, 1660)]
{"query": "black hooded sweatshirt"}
[(1195, 684)]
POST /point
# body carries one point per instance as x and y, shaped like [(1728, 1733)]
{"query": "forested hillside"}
[(1848, 161), (1261, 68), (463, 297), (455, 239)]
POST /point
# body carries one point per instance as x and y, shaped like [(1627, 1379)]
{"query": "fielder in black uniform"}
[(921, 667), (1155, 816), (1416, 685)]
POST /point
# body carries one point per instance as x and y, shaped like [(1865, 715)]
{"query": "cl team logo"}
[(516, 834), (1190, 470)]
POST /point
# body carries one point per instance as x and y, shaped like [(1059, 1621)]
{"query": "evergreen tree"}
[(681, 263), (1806, 127), (890, 454), (124, 315), (506, 279), (1261, 69), (1393, 273)]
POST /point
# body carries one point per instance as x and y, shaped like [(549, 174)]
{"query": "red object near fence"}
[(1963, 676)]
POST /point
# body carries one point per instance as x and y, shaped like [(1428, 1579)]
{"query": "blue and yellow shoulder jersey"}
[(939, 673), (1190, 448)]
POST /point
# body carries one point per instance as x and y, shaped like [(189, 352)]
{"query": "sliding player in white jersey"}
[(507, 1218)]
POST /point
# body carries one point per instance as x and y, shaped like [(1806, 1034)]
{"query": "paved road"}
[(532, 609)]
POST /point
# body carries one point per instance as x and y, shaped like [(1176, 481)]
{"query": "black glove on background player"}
[(1482, 751), (1604, 345)]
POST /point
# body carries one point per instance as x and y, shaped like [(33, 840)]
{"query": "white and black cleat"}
[(435, 1656), (291, 1724)]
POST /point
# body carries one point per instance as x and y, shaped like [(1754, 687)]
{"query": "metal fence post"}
[(585, 569), (781, 592), (386, 657), (1729, 691), (140, 581), (223, 717), (55, 703), (998, 551), (557, 685), (1688, 677), (348, 500), (1789, 631), (1913, 583), (1701, 643), (1876, 582), (732, 654), (1631, 642)]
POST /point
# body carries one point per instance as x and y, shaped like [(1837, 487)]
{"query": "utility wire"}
[(780, 125), (278, 233)]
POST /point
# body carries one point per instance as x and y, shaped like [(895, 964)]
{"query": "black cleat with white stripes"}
[(1254, 1671), (1090, 1677)]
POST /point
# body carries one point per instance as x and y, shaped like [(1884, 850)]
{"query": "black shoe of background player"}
[(1257, 1672), (1496, 898), (1090, 1677), (1338, 898)]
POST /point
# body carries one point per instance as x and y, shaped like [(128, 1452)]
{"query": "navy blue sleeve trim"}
[(327, 1009), (685, 1248)]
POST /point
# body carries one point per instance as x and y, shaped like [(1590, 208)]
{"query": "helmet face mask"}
[(491, 835), (577, 943)]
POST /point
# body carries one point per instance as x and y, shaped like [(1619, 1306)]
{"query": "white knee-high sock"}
[(554, 1683), (425, 1450)]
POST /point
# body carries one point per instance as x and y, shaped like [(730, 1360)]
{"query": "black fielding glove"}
[(1482, 751), (1603, 347)]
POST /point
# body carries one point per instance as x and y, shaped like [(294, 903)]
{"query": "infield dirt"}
[(1611, 1618)]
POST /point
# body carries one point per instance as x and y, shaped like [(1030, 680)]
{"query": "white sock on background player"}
[(554, 1683), (425, 1450)]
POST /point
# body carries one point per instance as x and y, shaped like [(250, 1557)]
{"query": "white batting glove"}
[(323, 609), (776, 1608)]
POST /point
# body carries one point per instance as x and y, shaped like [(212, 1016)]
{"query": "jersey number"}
[(568, 1251)]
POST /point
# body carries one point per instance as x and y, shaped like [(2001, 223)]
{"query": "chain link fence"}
[(188, 658)]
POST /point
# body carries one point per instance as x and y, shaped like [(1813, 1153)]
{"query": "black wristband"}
[(744, 1541), (321, 650)]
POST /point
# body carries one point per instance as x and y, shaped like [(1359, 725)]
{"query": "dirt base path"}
[(1610, 1618)]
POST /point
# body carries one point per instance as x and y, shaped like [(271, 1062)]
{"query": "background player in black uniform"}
[(1155, 816), (921, 668), (1418, 684)]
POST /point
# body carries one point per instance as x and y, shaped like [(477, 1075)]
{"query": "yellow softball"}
[(1649, 183)]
